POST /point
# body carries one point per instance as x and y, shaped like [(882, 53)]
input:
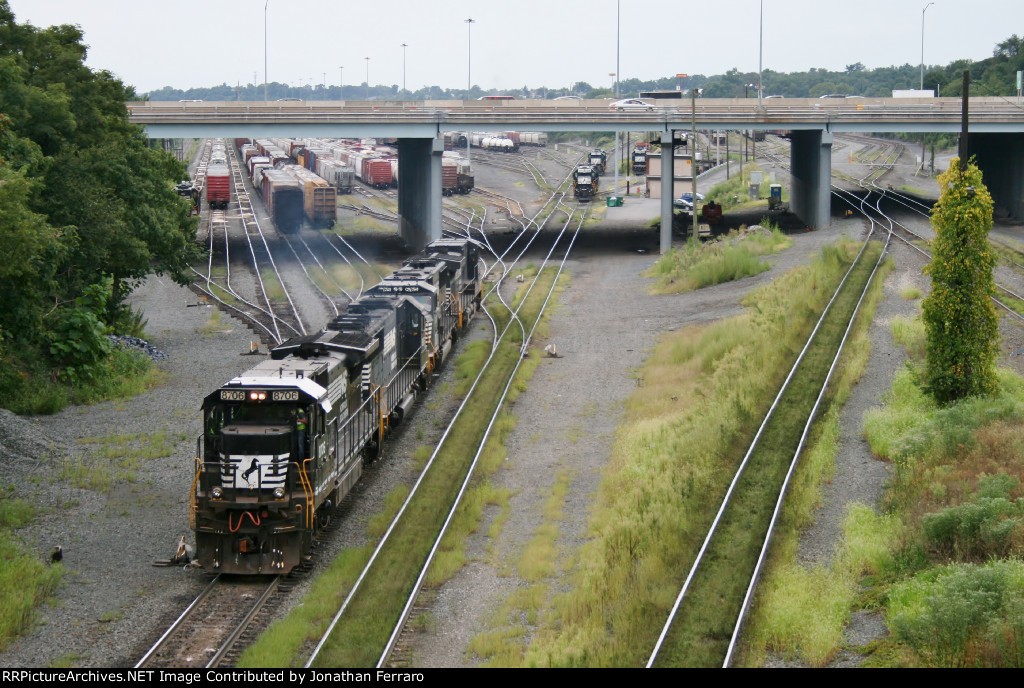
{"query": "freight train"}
[(502, 141), (287, 439)]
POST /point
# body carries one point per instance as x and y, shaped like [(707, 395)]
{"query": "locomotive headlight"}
[(257, 396), (216, 493), (279, 492)]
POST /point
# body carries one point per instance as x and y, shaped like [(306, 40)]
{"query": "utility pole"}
[(404, 46), (469, 55), (693, 157), (963, 148), (265, 5)]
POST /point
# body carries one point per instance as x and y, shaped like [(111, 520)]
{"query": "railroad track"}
[(205, 633), (331, 650), (692, 636), (740, 534)]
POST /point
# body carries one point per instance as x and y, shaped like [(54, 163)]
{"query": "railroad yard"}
[(603, 324)]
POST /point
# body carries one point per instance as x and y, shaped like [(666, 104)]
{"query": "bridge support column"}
[(1001, 159), (667, 190), (811, 177), (419, 190)]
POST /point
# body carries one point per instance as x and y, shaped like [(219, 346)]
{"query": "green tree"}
[(960, 319)]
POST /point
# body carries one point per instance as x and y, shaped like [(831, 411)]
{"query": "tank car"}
[(287, 439)]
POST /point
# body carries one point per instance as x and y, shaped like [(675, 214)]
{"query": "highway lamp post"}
[(404, 46), (924, 137), (341, 82), (265, 5), (469, 55), (760, 54), (618, 156), (922, 43), (469, 71), (367, 77)]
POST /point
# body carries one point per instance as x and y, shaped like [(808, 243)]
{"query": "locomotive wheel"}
[(372, 451), (323, 516)]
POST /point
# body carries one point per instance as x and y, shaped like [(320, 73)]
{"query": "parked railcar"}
[(282, 196), (218, 186), (286, 440), (319, 200)]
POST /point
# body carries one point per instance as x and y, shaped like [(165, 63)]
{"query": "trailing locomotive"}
[(585, 179), (287, 439)]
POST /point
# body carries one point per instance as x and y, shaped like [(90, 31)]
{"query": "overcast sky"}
[(531, 43)]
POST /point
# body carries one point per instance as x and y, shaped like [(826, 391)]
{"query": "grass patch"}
[(910, 293), (28, 387), (271, 285), (701, 264), (734, 193), (25, 581)]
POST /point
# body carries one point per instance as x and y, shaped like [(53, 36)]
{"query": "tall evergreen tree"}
[(960, 318)]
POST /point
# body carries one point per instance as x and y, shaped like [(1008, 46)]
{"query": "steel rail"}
[(177, 623), (527, 338), (748, 597), (437, 449)]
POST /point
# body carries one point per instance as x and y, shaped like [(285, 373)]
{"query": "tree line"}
[(88, 207), (994, 76)]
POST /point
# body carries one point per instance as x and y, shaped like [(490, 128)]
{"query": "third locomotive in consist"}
[(286, 440)]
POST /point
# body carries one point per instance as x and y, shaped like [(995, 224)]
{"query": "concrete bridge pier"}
[(667, 190), (419, 190), (811, 177), (1001, 159)]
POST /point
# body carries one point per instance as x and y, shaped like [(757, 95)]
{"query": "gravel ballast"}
[(114, 601)]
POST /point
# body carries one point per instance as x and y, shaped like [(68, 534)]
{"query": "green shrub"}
[(981, 527), (962, 615)]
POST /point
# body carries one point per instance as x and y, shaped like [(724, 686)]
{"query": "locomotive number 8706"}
[(286, 440)]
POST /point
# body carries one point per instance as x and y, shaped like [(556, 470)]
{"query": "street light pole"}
[(760, 55), (265, 5), (367, 77), (922, 43), (618, 7), (404, 46), (469, 54), (341, 82)]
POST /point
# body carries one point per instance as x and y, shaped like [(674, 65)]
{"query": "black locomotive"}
[(287, 439)]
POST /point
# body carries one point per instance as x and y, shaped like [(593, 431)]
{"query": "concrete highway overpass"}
[(996, 127)]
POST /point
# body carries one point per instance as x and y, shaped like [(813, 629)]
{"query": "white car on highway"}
[(632, 104)]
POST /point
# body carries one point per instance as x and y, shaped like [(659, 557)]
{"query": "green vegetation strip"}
[(361, 634), (704, 263), (25, 581), (695, 409), (802, 610), (704, 623)]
